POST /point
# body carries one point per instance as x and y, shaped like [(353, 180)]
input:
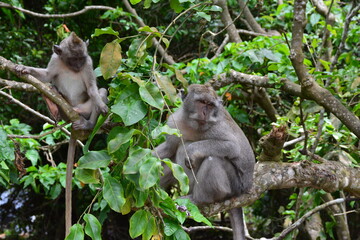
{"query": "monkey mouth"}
[(201, 122)]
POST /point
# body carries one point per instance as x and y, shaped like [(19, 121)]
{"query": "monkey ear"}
[(57, 49), (182, 94), (220, 100), (87, 42)]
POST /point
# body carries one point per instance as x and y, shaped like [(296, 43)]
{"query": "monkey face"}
[(202, 105), (76, 63)]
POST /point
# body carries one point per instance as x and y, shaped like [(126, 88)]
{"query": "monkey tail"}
[(237, 223), (69, 169)]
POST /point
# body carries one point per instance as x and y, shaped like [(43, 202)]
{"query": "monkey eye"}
[(210, 104)]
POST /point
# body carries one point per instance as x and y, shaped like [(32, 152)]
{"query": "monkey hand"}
[(82, 124), (195, 156), (21, 69), (103, 109)]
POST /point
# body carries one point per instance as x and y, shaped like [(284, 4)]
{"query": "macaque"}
[(218, 152), (70, 72)]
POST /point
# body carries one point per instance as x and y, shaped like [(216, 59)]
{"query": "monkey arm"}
[(168, 148), (92, 90), (199, 150), (40, 73)]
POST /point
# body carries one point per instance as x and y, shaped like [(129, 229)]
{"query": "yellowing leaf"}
[(110, 59)]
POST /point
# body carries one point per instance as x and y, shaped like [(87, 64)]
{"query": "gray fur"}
[(70, 70), (218, 150)]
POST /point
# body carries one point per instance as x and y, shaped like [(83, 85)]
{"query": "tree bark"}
[(228, 22), (250, 18)]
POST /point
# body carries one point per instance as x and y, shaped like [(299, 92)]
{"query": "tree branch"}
[(250, 18), (354, 9), (329, 176), (228, 22), (65, 15), (27, 108), (233, 76), (43, 88), (17, 85), (309, 88)]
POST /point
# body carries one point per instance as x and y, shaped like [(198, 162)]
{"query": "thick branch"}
[(17, 85), (250, 18), (329, 176), (66, 15), (233, 76), (43, 88), (169, 59), (228, 22)]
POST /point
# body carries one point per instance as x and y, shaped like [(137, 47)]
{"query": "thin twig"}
[(354, 9), (65, 15), (296, 224)]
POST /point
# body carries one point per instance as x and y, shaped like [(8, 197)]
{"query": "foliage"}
[(123, 175)]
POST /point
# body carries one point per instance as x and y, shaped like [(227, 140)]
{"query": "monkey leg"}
[(168, 179), (89, 112), (214, 181)]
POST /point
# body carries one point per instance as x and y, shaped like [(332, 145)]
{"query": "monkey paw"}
[(82, 124), (21, 69), (103, 109), (189, 163)]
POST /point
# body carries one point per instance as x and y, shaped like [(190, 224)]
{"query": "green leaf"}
[(150, 228), (135, 159), (147, 4), (123, 136), (149, 172), (180, 234), (138, 223), (207, 17), (76, 232), (314, 18), (161, 130), (129, 105), (175, 4), (92, 227), (275, 57), (7, 152), (107, 30), (33, 156), (325, 64), (87, 176), (179, 174), (94, 160), (194, 211), (166, 42), (254, 56), (140, 197), (170, 226), (55, 191), (166, 85), (113, 193), (99, 123), (151, 94), (133, 2), (110, 59)]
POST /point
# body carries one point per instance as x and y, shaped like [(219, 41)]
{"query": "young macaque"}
[(219, 153), (70, 71)]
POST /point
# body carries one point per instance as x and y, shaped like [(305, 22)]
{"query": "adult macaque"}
[(70, 72), (219, 153)]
